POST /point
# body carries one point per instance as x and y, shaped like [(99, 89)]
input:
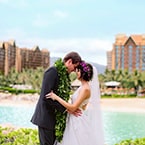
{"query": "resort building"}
[(128, 53), (12, 56)]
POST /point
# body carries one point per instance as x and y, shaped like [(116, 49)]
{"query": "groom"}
[(44, 115)]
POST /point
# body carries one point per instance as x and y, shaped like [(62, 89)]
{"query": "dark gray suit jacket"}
[(44, 115)]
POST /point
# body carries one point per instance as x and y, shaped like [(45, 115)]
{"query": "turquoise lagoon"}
[(117, 125)]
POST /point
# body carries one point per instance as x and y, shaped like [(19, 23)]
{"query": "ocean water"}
[(19, 116), (117, 125), (123, 125)]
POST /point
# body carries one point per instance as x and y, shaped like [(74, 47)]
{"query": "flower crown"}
[(85, 68)]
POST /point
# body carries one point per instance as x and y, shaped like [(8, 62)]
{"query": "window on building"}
[(137, 57), (130, 47), (116, 46), (122, 57)]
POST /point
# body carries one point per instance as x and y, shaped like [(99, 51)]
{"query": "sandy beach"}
[(124, 104), (107, 104)]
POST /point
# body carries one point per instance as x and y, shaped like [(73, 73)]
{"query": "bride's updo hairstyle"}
[(86, 71)]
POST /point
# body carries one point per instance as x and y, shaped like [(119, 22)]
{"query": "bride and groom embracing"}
[(84, 122)]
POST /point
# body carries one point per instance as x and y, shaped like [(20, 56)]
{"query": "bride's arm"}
[(84, 94)]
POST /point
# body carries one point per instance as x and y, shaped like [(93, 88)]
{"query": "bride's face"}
[(78, 72)]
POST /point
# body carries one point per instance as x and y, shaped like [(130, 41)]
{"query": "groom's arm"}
[(50, 83)]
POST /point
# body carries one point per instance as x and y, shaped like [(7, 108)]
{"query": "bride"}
[(86, 129)]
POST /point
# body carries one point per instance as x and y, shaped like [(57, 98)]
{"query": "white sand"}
[(124, 104), (7, 102), (121, 104)]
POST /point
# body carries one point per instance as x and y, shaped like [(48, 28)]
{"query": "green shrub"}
[(17, 91), (118, 96), (22, 136), (26, 136), (138, 141)]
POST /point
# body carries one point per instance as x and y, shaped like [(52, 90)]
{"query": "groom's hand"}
[(76, 113)]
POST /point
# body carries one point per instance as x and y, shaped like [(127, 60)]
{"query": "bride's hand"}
[(76, 113), (51, 95)]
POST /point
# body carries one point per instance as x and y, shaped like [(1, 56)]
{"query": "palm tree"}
[(136, 81)]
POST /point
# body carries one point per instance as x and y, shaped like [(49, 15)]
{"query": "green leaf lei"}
[(64, 92)]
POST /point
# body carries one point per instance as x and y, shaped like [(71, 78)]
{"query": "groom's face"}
[(70, 66)]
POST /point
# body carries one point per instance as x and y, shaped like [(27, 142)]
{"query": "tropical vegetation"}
[(27, 136), (32, 77), (128, 80), (137, 141), (21, 136)]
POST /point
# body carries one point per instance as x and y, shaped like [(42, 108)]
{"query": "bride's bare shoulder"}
[(85, 89)]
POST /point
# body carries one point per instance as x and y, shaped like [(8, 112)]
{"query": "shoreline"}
[(7, 102), (107, 104), (8, 99), (125, 105), (134, 105)]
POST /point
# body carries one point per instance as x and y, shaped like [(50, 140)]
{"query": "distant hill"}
[(99, 67)]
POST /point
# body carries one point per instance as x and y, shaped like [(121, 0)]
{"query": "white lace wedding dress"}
[(86, 129)]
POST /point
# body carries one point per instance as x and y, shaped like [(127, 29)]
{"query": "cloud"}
[(44, 20), (60, 14), (93, 50), (13, 33), (41, 21), (20, 4), (4, 1)]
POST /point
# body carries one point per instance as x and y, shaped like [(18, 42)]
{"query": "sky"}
[(88, 27)]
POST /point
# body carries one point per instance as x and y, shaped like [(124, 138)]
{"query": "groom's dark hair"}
[(74, 56)]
